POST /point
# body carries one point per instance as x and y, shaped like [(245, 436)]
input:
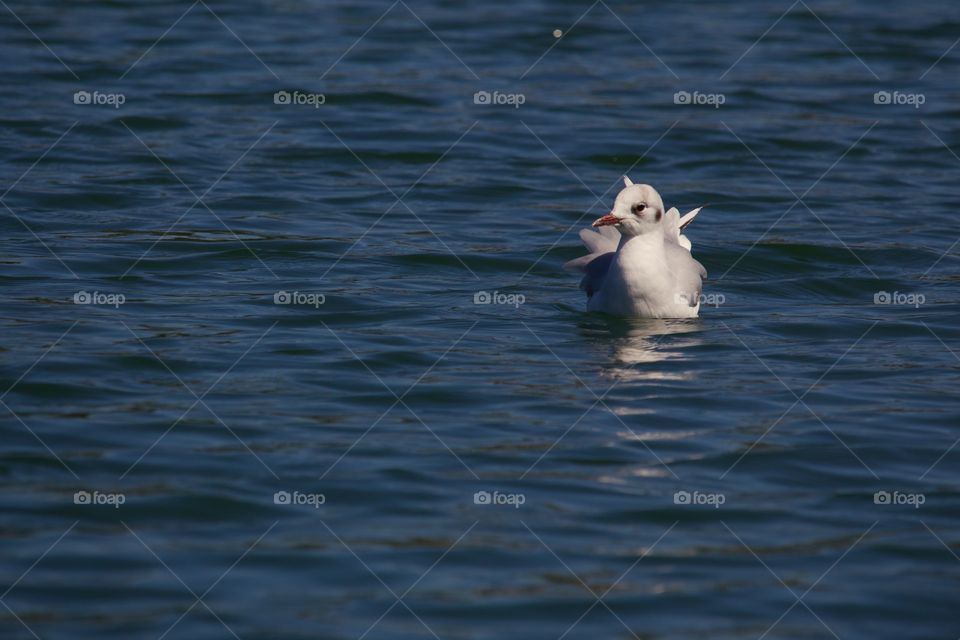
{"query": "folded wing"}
[(688, 274), (602, 246)]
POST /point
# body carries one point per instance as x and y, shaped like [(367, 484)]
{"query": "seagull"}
[(640, 263)]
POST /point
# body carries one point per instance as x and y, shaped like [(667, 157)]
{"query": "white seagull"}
[(639, 263)]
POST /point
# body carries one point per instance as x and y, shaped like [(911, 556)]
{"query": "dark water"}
[(782, 410)]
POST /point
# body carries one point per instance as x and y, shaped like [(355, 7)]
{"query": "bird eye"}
[(637, 208)]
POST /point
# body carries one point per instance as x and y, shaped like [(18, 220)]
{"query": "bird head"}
[(638, 209)]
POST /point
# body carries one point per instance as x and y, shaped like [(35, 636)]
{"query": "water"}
[(185, 409)]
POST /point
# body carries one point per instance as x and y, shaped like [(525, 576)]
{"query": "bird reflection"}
[(640, 356), (631, 345)]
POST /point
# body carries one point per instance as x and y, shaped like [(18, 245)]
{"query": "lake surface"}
[(305, 364)]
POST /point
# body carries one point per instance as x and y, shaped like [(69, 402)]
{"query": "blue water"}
[(518, 469)]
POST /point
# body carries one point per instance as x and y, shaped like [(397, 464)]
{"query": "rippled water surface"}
[(517, 469)]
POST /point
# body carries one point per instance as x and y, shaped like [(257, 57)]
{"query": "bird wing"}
[(674, 225), (602, 246), (687, 219), (687, 273)]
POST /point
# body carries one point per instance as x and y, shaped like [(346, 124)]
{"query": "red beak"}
[(606, 220)]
